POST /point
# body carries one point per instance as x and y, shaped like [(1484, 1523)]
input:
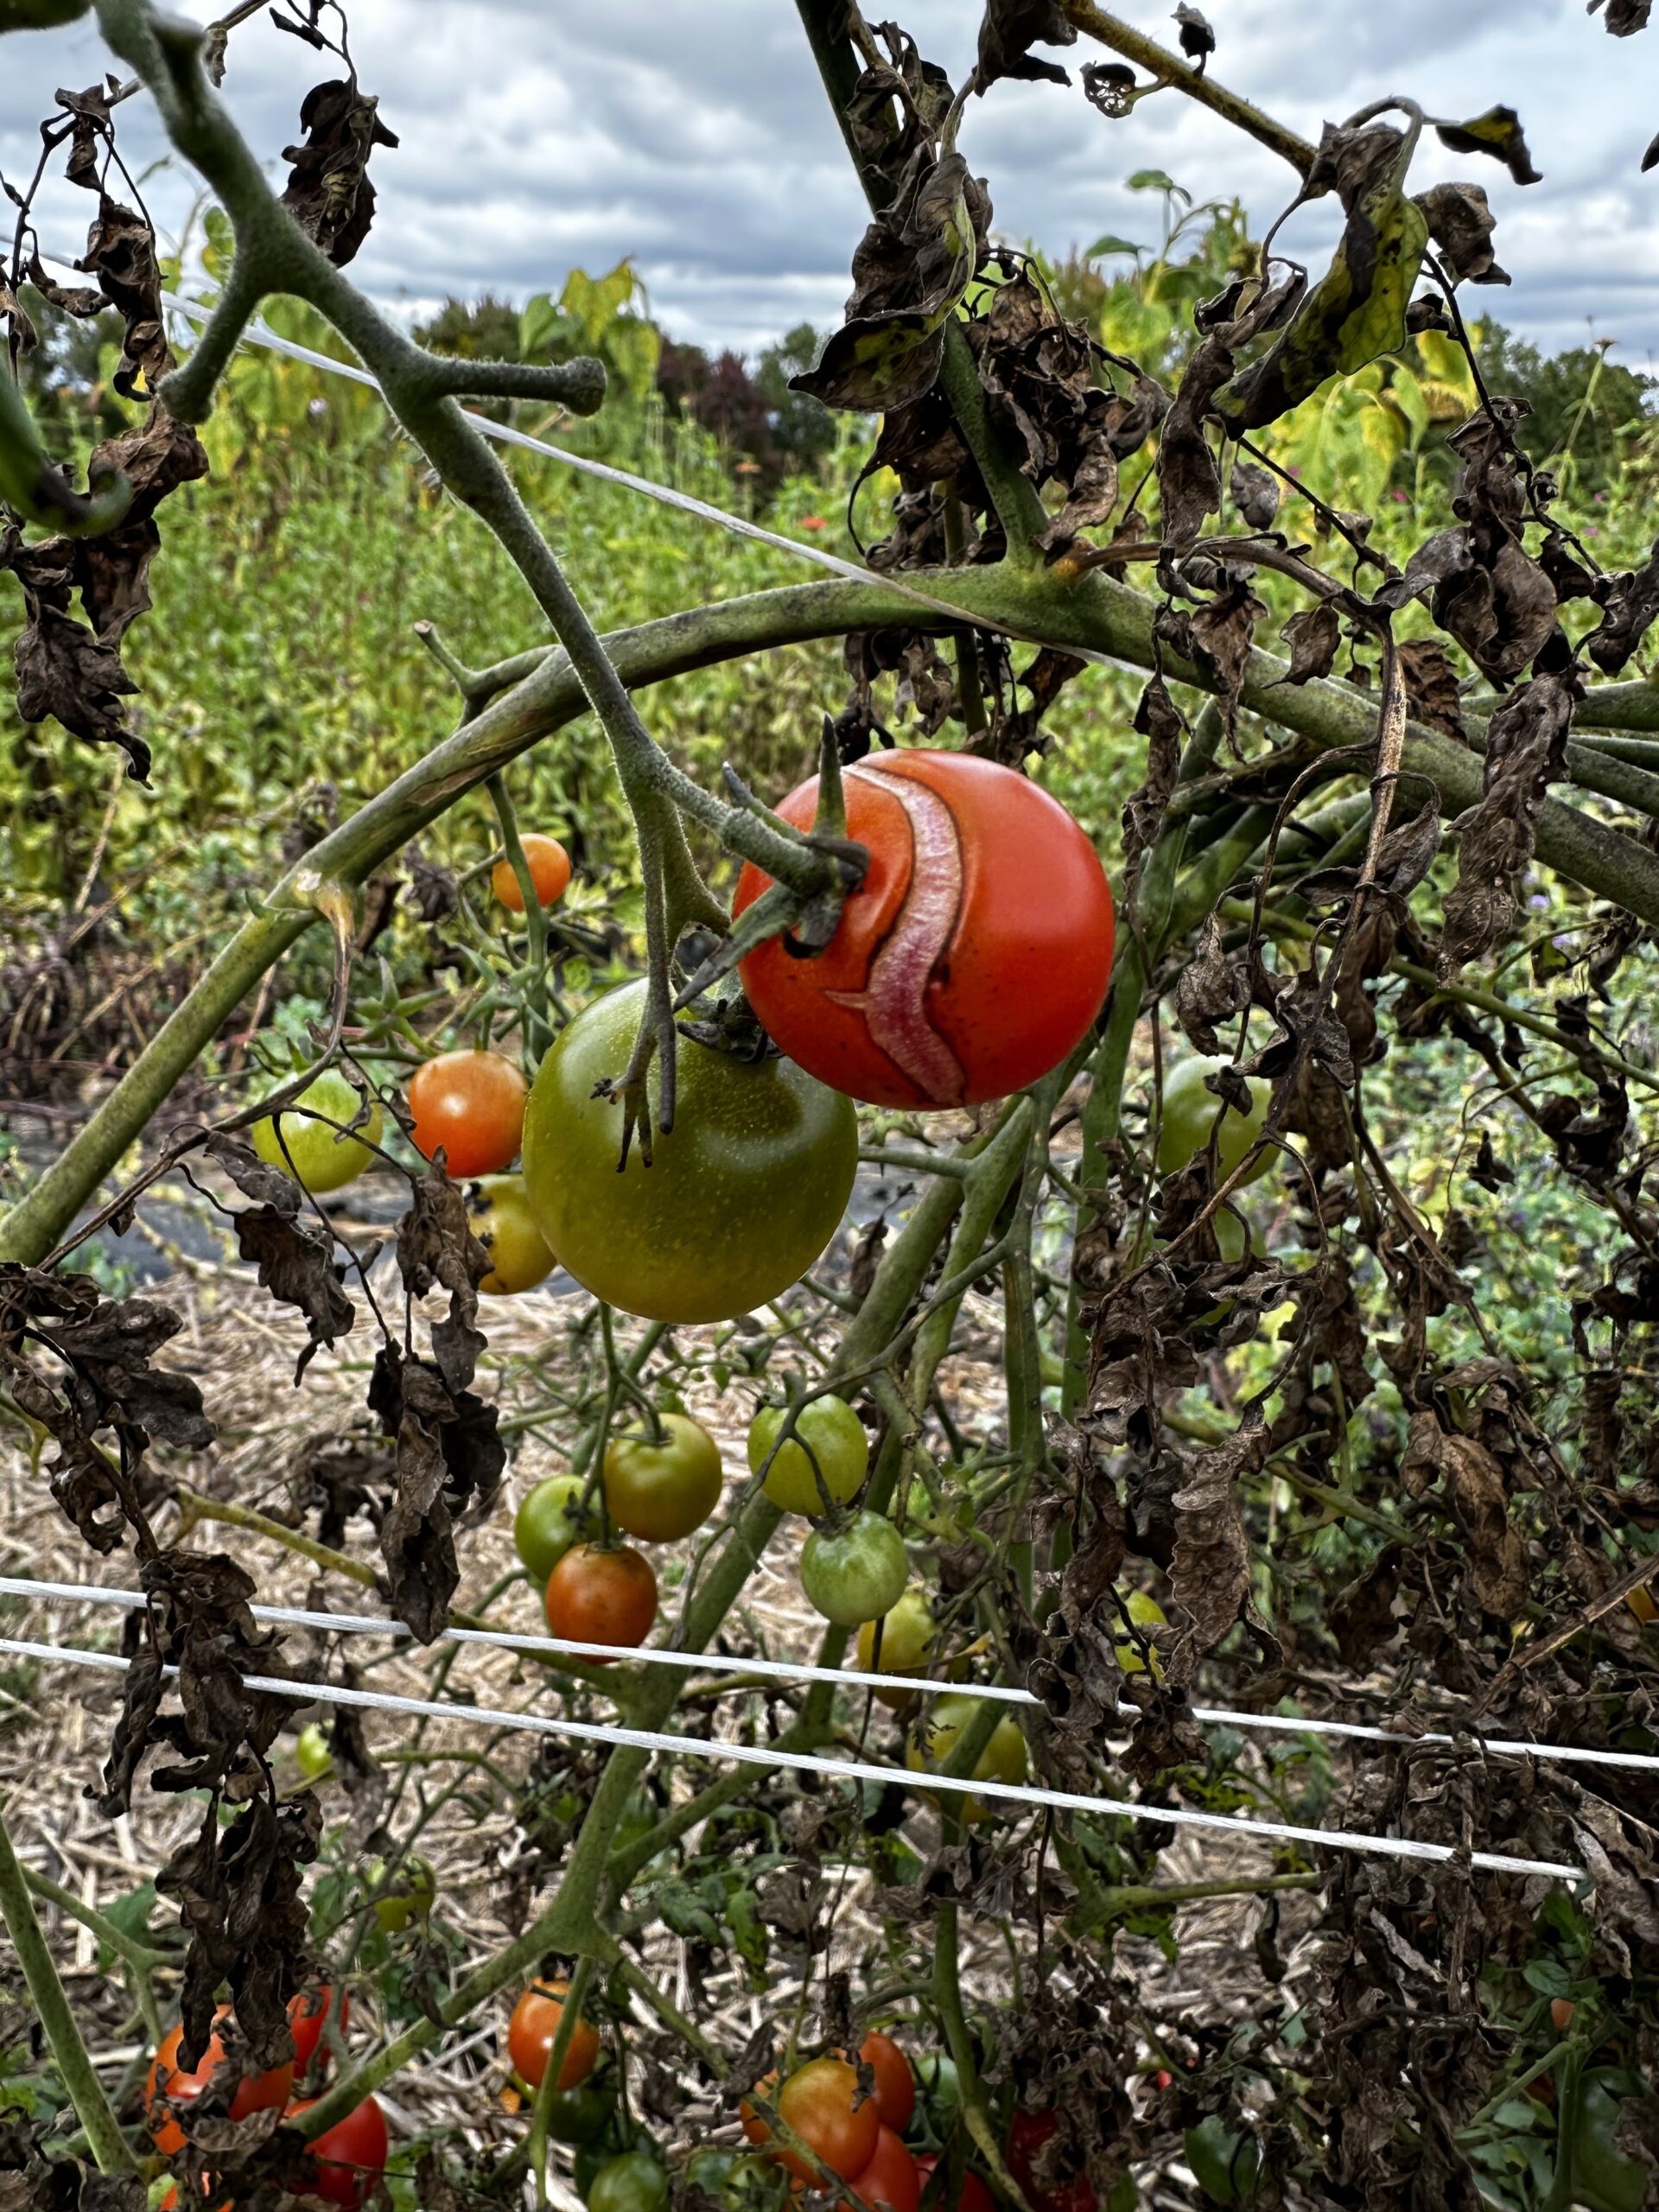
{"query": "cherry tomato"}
[(170, 2082), (498, 1215), (579, 2115), (602, 1597), (895, 2085), (907, 1633), (970, 960), (890, 2178), (403, 1893), (1144, 1612), (350, 2157), (471, 1105), (311, 1753), (1190, 1112), (856, 1572), (971, 2196), (633, 2182), (549, 1520), (531, 2029), (820, 2102), (321, 1159), (661, 1492), (307, 2016), (550, 871), (827, 1431), (1003, 1758), (1027, 2134), (744, 1193), (1561, 2010)]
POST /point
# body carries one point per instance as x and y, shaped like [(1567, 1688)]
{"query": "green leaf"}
[(1110, 244), (1157, 181), (1225, 2164), (1547, 1976)]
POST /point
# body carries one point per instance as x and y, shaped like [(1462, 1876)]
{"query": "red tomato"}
[(472, 1105), (970, 960), (168, 2081), (890, 2178), (530, 2031), (169, 2203), (895, 2085), (306, 2014), (350, 2157), (972, 2196), (601, 1596), (1027, 2134), (820, 2102), (550, 871)]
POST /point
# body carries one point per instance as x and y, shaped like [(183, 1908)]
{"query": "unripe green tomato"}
[(311, 1754), (828, 1430), (634, 2182), (1190, 1110), (403, 1894), (1003, 1758), (854, 1571), (709, 2170), (498, 1215), (578, 2115), (322, 1160), (907, 1633), (658, 1492), (548, 1521), (940, 2089), (1146, 1612)]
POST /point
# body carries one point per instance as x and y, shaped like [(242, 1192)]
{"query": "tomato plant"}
[(402, 1894), (598, 1596), (970, 2194), (661, 1492), (498, 1215), (740, 1196), (820, 2101), (891, 2177), (1191, 1109), (828, 1442), (907, 1632), (934, 1738), (549, 1519), (973, 957), (532, 2032), (550, 872), (348, 2160), (470, 1106), (307, 2016), (309, 1145), (855, 1570)]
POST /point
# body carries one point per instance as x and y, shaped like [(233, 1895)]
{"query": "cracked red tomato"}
[(970, 960)]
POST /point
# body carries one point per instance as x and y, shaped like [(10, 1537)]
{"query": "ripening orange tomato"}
[(550, 871), (472, 1106), (891, 2178), (530, 2033), (595, 1595), (973, 957), (820, 2102)]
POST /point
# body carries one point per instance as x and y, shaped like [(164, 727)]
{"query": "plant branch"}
[(1135, 46)]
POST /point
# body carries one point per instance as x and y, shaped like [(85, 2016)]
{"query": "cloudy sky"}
[(537, 135)]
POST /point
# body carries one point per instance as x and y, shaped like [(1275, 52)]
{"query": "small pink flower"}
[(813, 522)]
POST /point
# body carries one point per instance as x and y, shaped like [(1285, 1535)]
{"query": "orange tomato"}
[(602, 1597), (169, 2083), (890, 2178), (531, 2029), (472, 1106), (820, 2102), (895, 2085), (550, 871), (305, 2015)]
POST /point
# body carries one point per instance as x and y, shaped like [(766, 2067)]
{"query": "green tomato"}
[(548, 1522), (1003, 1758), (827, 1430), (907, 1633), (311, 1754), (634, 2182), (403, 1893), (1604, 2179), (741, 1196), (661, 1492), (498, 1215), (855, 1572), (322, 1160), (939, 2086), (578, 2115), (1144, 1612), (1190, 1108)]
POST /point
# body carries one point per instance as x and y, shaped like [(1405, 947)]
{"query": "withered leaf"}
[(1526, 750), (1197, 40), (1498, 133), (328, 192), (1189, 483), (1159, 721), (1623, 17), (449, 1457), (1109, 86), (1209, 987), (1628, 612), (121, 254), (1209, 1575), (1461, 223), (1008, 31), (1431, 694), (435, 1244), (296, 1266), (1255, 494), (1313, 634)]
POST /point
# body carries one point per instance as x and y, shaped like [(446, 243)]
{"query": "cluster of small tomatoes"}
[(345, 2160), (815, 2126)]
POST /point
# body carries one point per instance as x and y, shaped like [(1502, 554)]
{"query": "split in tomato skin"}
[(971, 959), (742, 1195)]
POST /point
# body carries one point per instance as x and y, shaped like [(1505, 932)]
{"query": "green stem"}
[(547, 2088)]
